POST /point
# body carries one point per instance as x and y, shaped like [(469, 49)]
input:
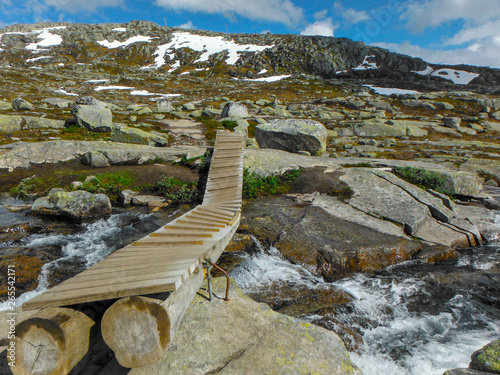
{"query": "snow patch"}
[(121, 29), (117, 43), (263, 71), (267, 79), (62, 91), (366, 64), (48, 39), (97, 80), (458, 77), (209, 45), (390, 91), (38, 58), (101, 88), (424, 72)]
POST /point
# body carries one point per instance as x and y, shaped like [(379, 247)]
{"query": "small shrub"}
[(24, 188), (255, 185), (109, 183), (175, 190), (422, 178)]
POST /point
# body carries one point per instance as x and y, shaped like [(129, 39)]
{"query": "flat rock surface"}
[(244, 337)]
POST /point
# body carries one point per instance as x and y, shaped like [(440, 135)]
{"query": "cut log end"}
[(52, 342), (137, 329)]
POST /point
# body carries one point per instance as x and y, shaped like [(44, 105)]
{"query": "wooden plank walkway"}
[(161, 261)]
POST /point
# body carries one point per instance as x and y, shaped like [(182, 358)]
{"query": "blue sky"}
[(440, 31)]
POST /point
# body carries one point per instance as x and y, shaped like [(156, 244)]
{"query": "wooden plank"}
[(167, 242), (138, 266), (196, 215), (152, 259), (224, 190), (215, 208), (130, 274), (190, 227), (227, 194), (91, 295), (225, 216), (200, 222), (222, 185), (206, 215), (180, 234), (114, 284), (230, 178)]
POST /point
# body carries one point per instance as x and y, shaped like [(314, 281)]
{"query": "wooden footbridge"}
[(138, 328)]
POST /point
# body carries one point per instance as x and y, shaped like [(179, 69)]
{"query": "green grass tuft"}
[(422, 178), (255, 185)]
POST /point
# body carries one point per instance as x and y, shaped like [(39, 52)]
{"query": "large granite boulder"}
[(95, 118), (460, 183), (487, 358), (127, 134), (233, 109), (20, 104), (292, 135), (77, 205), (255, 341)]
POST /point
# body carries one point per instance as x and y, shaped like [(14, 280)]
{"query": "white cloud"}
[(187, 25), (420, 15), (324, 27), (283, 11), (351, 15), (321, 14), (480, 54), (75, 6), (488, 30)]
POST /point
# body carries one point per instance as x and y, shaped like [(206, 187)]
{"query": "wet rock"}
[(126, 196), (292, 135), (267, 342), (233, 109), (487, 358), (149, 200), (332, 241), (127, 134), (27, 270), (465, 371), (20, 104), (93, 117), (239, 242), (77, 205)]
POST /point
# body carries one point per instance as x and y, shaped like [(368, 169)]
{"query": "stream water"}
[(412, 318)]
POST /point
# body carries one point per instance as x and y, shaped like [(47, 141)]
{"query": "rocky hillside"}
[(149, 51)]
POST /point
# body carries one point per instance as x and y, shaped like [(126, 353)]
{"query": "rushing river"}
[(413, 318)]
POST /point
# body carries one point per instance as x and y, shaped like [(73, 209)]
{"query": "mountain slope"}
[(144, 48)]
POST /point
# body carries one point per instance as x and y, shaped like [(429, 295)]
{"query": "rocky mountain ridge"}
[(144, 48)]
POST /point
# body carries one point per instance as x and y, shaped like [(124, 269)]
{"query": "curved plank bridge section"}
[(137, 328)]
